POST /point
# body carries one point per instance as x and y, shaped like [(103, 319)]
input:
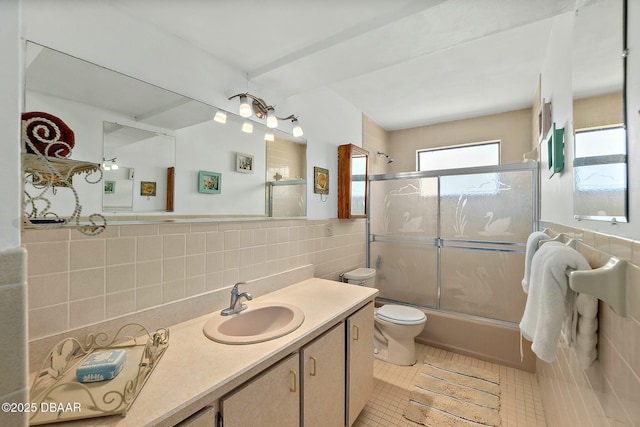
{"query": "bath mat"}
[(451, 394)]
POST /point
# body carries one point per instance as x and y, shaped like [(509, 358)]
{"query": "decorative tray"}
[(57, 396)]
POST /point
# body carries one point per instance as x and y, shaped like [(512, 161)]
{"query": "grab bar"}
[(607, 283)]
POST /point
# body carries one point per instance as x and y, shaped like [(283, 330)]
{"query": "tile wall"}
[(606, 394), (75, 280), (13, 293)]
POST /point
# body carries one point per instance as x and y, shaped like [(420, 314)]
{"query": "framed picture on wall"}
[(244, 163), (147, 188), (209, 182), (109, 187), (320, 180)]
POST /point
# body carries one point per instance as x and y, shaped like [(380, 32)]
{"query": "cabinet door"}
[(323, 380), (272, 399), (359, 360)]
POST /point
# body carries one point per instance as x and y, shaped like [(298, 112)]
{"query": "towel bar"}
[(560, 237), (607, 283)]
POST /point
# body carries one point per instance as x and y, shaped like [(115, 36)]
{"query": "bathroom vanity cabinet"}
[(327, 362), (270, 400), (280, 396), (323, 379), (359, 360)]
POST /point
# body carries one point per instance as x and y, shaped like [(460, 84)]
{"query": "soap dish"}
[(60, 393)]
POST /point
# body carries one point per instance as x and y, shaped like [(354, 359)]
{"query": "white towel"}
[(532, 246), (586, 332), (545, 309)]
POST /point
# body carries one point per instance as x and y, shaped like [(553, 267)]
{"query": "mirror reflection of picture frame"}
[(209, 182), (320, 180), (109, 187), (244, 163), (147, 188)]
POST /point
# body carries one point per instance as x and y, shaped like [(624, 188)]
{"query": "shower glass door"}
[(403, 234), (454, 240)]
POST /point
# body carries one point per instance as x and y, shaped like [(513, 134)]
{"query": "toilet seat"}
[(400, 314)]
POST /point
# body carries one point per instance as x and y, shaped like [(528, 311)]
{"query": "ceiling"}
[(404, 63)]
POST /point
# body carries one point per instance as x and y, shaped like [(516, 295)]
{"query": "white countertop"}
[(195, 371)]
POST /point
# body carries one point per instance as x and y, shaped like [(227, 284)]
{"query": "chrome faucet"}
[(235, 306)]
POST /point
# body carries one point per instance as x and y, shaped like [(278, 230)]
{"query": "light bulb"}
[(247, 127), (297, 130), (107, 167), (245, 107), (272, 120), (114, 166), (220, 117), (269, 136)]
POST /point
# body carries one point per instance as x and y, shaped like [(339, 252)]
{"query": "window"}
[(482, 154)]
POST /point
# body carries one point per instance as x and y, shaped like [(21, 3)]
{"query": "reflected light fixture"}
[(220, 117), (251, 104), (247, 127), (109, 164), (269, 136)]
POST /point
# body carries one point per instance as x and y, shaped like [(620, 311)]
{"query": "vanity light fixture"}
[(297, 130), (245, 107), (220, 117), (251, 104)]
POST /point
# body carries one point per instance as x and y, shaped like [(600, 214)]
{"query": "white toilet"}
[(396, 326)]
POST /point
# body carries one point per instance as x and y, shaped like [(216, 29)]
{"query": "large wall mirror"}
[(600, 140), (145, 130)]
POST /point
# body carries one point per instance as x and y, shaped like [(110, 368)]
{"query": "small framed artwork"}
[(209, 182), (244, 163), (109, 187), (147, 188), (555, 150), (320, 180)]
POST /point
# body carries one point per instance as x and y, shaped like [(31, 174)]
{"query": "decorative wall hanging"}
[(209, 182), (244, 163), (109, 187), (555, 150), (320, 180), (147, 188)]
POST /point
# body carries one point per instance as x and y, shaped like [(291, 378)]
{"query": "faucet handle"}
[(234, 290)]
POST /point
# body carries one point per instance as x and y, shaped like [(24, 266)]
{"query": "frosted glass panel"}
[(404, 207), (495, 206), (288, 200), (600, 190), (406, 273), (483, 283)]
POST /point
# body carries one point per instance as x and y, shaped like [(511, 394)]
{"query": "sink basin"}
[(259, 322)]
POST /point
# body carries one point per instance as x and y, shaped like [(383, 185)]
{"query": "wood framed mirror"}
[(353, 175)]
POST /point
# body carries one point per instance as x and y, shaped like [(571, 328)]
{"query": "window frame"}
[(458, 147)]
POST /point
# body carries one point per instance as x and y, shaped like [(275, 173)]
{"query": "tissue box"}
[(101, 366)]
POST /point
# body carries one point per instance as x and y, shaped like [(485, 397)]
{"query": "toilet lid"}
[(400, 314)]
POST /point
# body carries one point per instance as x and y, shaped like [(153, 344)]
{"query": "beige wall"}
[(606, 394), (598, 111), (75, 281), (513, 129), (287, 158), (374, 139)]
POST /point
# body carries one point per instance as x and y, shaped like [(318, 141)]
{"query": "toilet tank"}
[(360, 276)]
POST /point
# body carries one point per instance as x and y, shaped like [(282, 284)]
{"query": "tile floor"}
[(521, 403)]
